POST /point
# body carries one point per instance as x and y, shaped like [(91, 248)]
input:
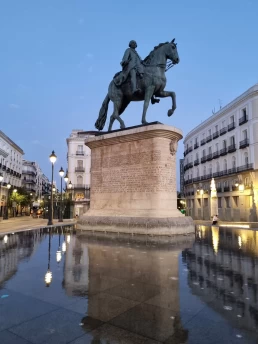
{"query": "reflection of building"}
[(225, 147), (223, 271), (76, 269), (13, 249), (10, 167), (79, 164)]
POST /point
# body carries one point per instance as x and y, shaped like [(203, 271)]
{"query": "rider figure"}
[(132, 65)]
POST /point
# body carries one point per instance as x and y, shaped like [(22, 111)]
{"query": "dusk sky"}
[(59, 56)]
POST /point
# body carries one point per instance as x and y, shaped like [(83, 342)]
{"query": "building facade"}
[(79, 165), (33, 180), (10, 167), (224, 147)]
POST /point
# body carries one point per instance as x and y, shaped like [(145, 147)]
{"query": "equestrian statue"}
[(139, 80)]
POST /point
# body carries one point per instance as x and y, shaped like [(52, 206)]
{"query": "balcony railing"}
[(223, 131), (232, 170), (209, 138), (244, 143), (245, 167), (209, 157), (81, 186), (203, 141), (79, 169), (215, 135), (243, 119), (232, 148), (79, 153), (196, 145), (231, 126), (223, 151), (218, 189), (196, 179), (226, 188), (216, 155), (203, 159), (196, 162)]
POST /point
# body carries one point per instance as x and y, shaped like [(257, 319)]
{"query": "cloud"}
[(14, 106)]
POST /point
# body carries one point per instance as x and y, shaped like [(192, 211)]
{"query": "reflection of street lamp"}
[(64, 247), (52, 159), (61, 173), (58, 252), (48, 276), (5, 239)]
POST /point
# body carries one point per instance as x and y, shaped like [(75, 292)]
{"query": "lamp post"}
[(48, 275), (52, 159), (61, 173)]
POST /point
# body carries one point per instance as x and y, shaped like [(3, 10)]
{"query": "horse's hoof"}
[(170, 112)]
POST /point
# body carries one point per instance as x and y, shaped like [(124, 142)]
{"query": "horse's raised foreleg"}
[(165, 94), (148, 94)]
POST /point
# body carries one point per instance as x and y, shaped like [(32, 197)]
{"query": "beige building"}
[(79, 165), (224, 147)]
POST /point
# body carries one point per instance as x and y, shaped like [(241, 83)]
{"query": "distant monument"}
[(139, 80), (133, 170)]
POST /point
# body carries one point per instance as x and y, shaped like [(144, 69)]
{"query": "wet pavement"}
[(57, 286)]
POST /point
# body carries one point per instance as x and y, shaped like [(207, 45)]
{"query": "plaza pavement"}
[(26, 222)]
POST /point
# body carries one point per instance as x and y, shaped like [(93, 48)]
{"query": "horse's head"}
[(171, 52)]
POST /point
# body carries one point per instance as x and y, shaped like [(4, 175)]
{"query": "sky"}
[(58, 58)]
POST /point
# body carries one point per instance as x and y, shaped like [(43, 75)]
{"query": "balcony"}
[(197, 179), (188, 181), (209, 157), (235, 188), (215, 135), (232, 170), (220, 173), (208, 138), (243, 120), (203, 159), (244, 143), (223, 131), (30, 181), (245, 167), (30, 173), (206, 176), (196, 162), (231, 126), (223, 151), (216, 155), (218, 189), (79, 169), (4, 168), (81, 186), (8, 170), (190, 149), (196, 145), (203, 142), (232, 148), (79, 153), (226, 188)]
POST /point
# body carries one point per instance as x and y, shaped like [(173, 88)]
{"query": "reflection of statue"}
[(132, 65)]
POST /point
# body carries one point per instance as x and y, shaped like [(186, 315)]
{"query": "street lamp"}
[(70, 185), (61, 174), (66, 177), (52, 159)]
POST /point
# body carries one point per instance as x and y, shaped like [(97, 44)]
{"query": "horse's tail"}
[(100, 122)]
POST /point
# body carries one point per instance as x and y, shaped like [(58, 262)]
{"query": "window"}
[(236, 201), (216, 128), (197, 156), (209, 132), (205, 201), (79, 180), (79, 163), (244, 134), (219, 202), (217, 147), (246, 158), (232, 140), (232, 119), (203, 153), (210, 169), (224, 144), (227, 201), (80, 148), (225, 165), (233, 162), (199, 202), (244, 113), (196, 141), (198, 173), (204, 170), (217, 167), (210, 151)]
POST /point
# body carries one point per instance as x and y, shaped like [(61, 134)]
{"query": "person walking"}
[(215, 219)]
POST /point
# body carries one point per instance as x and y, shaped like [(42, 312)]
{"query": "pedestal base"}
[(133, 182)]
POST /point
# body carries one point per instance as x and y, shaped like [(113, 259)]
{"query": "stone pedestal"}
[(133, 181)]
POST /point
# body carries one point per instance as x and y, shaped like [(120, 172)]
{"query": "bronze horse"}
[(152, 84)]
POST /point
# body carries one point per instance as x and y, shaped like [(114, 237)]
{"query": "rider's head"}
[(132, 44)]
